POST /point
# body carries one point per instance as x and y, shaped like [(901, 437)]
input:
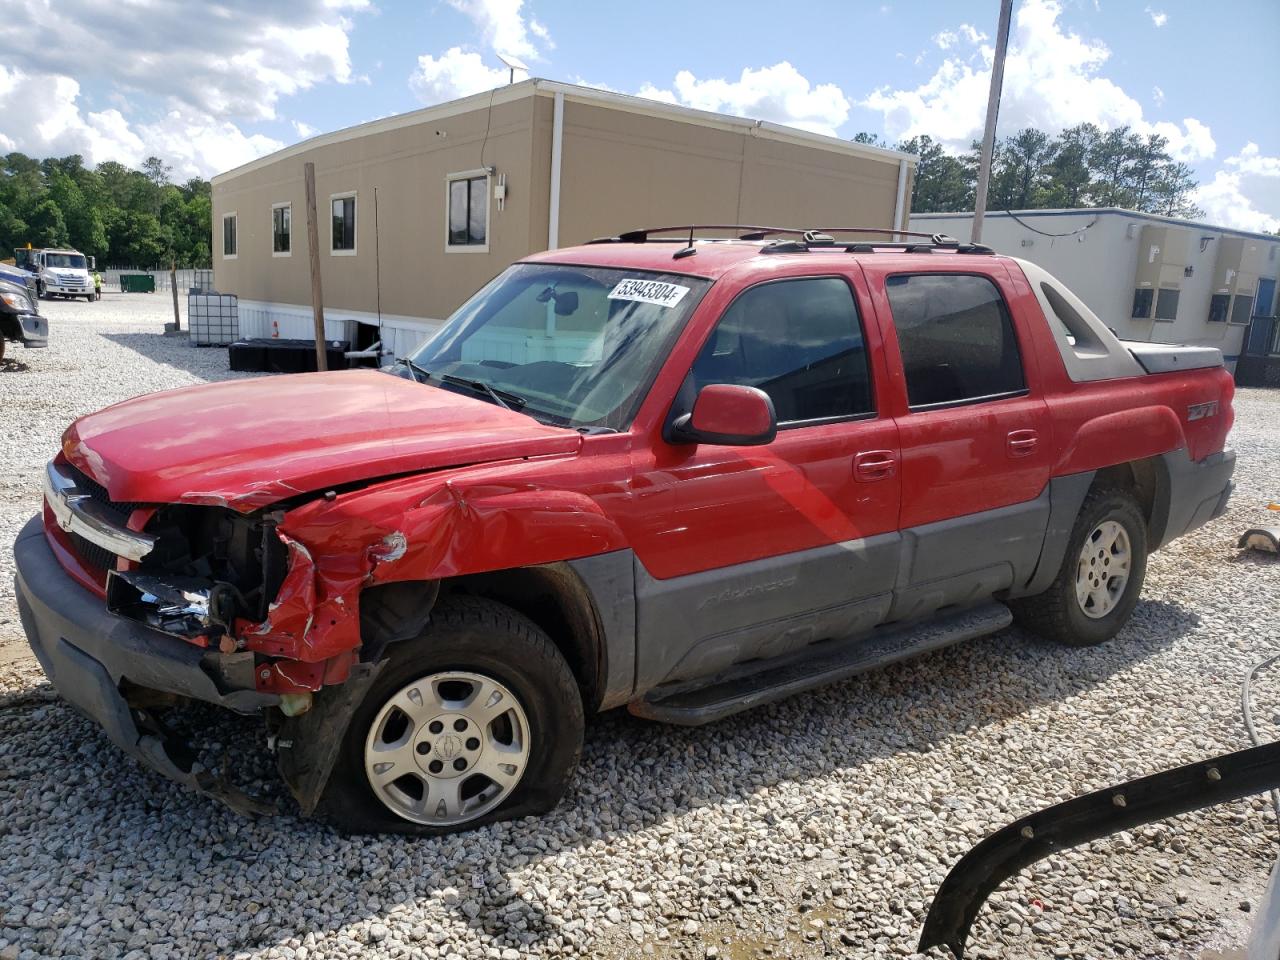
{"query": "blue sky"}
[(211, 87)]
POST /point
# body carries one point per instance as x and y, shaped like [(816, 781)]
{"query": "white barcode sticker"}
[(649, 291)]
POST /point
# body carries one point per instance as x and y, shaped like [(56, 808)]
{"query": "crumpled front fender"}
[(340, 546)]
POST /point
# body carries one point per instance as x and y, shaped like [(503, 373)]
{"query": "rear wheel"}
[(478, 719), (1101, 576)]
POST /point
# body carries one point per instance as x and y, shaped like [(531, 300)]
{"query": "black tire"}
[(1056, 614), (484, 637)]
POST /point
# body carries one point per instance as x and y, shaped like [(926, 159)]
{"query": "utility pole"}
[(993, 110), (313, 248), (173, 285)]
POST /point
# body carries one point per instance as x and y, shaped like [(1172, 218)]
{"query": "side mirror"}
[(730, 415)]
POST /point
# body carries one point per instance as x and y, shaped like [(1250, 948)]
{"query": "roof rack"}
[(798, 240)]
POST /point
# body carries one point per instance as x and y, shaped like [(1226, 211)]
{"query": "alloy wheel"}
[(1102, 572), (447, 748)]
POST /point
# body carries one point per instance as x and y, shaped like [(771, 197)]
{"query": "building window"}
[(281, 231), (229, 236), (1167, 304), (800, 342), (1142, 298), (956, 338), (468, 212), (1241, 309), (343, 240), (1218, 308)]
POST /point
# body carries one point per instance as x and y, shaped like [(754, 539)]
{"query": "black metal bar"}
[(1023, 842), (757, 232)]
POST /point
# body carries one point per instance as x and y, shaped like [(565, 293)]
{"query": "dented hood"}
[(249, 443)]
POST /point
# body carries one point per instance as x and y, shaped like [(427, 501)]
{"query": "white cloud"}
[(180, 86), (504, 27), (1158, 96), (779, 93), (1158, 17), (1190, 142), (304, 130), (42, 117), (455, 73), (1244, 193), (1052, 81), (949, 38), (235, 59), (196, 144)]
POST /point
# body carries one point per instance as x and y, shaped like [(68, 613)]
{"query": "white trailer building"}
[(1148, 277)]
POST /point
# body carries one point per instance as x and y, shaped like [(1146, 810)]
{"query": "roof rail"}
[(800, 241), (756, 232)]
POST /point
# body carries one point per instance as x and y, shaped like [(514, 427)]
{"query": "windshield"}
[(73, 261), (576, 346)]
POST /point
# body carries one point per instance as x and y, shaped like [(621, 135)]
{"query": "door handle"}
[(874, 465), (1023, 443)]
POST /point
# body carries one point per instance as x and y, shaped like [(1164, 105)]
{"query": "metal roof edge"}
[(661, 108), (583, 94), (439, 111), (1103, 211)]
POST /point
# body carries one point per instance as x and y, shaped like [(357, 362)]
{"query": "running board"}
[(766, 681)]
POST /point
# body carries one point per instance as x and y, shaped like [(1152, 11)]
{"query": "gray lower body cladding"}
[(700, 625), (1193, 493)]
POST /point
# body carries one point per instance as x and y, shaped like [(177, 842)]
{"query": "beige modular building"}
[(418, 211)]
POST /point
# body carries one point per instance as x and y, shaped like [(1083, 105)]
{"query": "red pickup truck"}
[(682, 476)]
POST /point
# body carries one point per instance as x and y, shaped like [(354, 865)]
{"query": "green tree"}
[(1171, 192), (1067, 175), (139, 240), (48, 228), (871, 139), (1111, 160), (942, 183), (1019, 179)]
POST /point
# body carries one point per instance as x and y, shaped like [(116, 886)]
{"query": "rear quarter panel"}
[(1107, 422)]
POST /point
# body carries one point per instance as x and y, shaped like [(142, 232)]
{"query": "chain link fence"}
[(188, 278)]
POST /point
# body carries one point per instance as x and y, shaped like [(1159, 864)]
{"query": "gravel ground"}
[(816, 827)]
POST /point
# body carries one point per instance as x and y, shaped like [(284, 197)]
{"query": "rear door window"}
[(956, 338), (800, 341)]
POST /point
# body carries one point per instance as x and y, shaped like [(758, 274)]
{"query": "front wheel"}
[(478, 719), (1101, 577)]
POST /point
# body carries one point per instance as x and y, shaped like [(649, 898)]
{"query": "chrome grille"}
[(99, 558), (81, 506), (122, 509)]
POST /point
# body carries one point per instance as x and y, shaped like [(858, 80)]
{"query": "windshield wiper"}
[(414, 369), (503, 398)]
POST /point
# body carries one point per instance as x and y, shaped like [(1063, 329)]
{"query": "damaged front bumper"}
[(92, 656)]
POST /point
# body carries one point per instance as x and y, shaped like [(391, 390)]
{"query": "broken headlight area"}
[(210, 566)]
